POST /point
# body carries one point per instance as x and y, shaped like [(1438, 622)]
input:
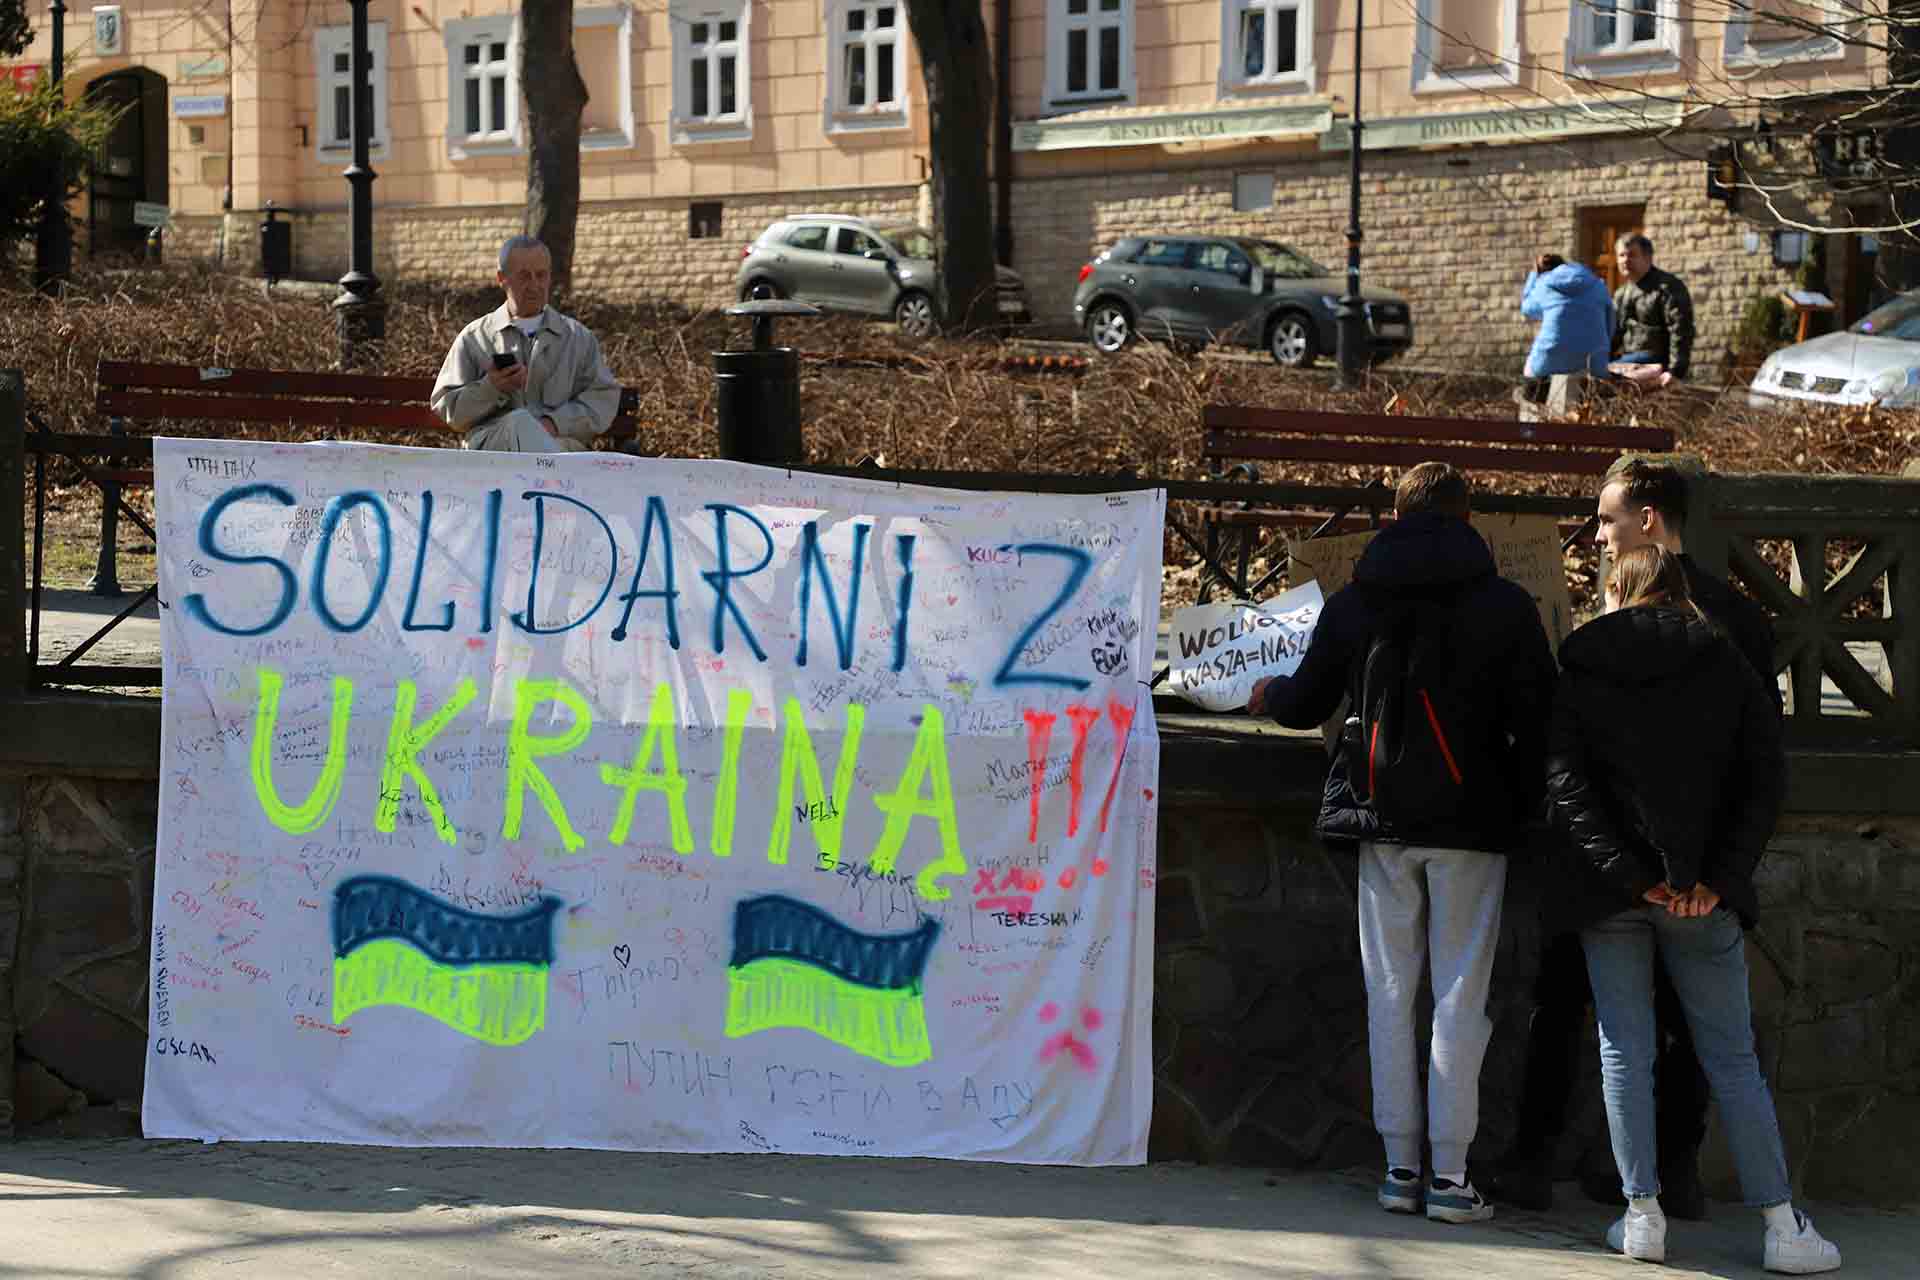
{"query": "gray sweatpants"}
[(1421, 906)]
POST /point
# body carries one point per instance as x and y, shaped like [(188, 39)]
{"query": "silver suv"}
[(1252, 293), (844, 263)]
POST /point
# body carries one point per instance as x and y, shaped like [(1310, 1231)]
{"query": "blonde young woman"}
[(1664, 773)]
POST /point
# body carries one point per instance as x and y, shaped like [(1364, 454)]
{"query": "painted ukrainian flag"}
[(485, 976), (794, 965)]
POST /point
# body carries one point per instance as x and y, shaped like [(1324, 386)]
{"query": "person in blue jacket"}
[(1576, 322)]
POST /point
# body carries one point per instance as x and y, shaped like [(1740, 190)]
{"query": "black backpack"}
[(1407, 756)]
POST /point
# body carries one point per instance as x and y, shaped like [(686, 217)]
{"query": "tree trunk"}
[(555, 98), (956, 63)]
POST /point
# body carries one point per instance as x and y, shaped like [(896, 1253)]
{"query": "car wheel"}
[(1292, 342), (1109, 328), (761, 290), (914, 314)]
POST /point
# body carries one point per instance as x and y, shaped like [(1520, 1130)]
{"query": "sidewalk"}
[(175, 1210)]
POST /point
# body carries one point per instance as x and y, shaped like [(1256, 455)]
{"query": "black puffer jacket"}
[(1503, 665), (1664, 763)]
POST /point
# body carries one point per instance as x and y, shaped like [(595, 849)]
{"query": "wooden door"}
[(1600, 230)]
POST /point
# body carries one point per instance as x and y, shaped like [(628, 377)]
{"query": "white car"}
[(1876, 361)]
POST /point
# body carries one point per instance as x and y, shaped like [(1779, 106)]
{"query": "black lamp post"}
[(1353, 311), (359, 312), (53, 247)]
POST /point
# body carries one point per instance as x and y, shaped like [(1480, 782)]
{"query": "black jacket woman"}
[(1664, 775)]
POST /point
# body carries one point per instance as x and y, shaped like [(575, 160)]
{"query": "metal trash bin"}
[(276, 246)]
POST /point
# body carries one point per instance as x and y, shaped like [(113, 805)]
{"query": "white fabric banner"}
[(1217, 652), (663, 805)]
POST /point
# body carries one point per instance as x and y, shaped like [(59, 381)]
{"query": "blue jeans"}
[(1707, 961), (1636, 357)]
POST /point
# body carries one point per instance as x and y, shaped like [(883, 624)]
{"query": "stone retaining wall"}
[(631, 248), (1453, 231), (1259, 1025)]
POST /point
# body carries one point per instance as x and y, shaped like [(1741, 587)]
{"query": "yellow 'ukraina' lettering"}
[(905, 803), (523, 749), (311, 812), (797, 757), (402, 760), (662, 727), (726, 793)]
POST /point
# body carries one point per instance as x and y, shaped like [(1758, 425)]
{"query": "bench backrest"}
[(1478, 444), (148, 392)]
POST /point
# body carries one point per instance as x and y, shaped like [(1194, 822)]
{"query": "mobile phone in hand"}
[(505, 359)]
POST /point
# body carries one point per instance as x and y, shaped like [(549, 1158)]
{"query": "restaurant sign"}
[(1076, 133)]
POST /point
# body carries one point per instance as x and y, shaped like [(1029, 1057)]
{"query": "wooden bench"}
[(129, 392), (1236, 438)]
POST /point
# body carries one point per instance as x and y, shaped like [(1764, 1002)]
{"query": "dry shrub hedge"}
[(944, 404)]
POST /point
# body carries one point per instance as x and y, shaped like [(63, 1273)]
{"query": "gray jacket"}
[(569, 380)]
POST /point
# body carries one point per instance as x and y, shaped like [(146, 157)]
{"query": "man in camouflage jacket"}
[(1652, 312)]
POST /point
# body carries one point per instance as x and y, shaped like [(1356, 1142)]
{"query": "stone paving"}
[(179, 1210)]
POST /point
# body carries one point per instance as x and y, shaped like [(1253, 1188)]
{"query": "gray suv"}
[(843, 263), (1252, 293)]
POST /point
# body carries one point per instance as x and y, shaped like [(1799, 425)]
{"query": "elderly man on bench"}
[(524, 378)]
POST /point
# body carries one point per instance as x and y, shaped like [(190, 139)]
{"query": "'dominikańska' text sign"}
[(662, 805)]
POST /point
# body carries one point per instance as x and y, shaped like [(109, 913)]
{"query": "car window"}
[(1898, 318), (1163, 253), (911, 242), (1223, 258), (857, 242), (805, 237), (1282, 261)]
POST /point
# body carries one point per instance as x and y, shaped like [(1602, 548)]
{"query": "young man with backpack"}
[(1437, 775)]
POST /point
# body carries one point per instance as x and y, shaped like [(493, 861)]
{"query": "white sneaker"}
[(1804, 1253), (1455, 1202), (1640, 1235), (1400, 1191)]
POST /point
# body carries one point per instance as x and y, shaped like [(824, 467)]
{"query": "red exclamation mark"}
[(1039, 732), (1122, 717), (1083, 718)]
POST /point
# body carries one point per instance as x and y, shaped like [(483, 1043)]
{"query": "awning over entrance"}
[(1090, 130), (1526, 124)]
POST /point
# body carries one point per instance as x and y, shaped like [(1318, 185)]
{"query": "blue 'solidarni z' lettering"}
[(735, 558)]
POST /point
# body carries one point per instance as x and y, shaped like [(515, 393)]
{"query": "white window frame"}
[(840, 117), (622, 133), (1430, 77), (327, 42), (1740, 49), (1233, 63), (735, 125), (460, 32), (1662, 53), (1059, 23)]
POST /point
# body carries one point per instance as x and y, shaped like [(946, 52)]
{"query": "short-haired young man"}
[(1431, 875), (1641, 502), (1644, 501), (523, 378)]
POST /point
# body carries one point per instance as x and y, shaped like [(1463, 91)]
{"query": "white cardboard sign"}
[(1216, 652)]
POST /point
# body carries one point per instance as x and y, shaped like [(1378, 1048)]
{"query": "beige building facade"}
[(1491, 135)]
